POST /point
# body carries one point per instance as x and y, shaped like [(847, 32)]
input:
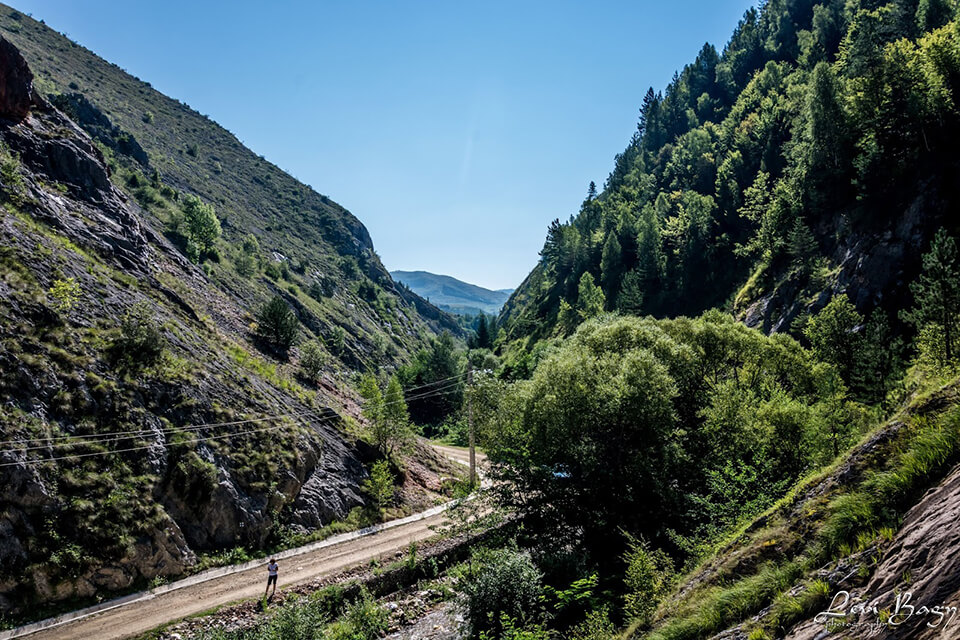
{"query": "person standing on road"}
[(272, 571)]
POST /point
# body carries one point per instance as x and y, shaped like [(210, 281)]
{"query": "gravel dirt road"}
[(140, 616)]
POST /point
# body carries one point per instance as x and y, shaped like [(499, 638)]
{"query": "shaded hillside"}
[(813, 155), (150, 416), (451, 294)]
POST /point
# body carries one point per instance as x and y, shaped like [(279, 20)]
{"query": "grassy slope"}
[(829, 532), (252, 196)]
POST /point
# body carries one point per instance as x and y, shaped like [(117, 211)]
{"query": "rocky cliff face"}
[(874, 268), (113, 473)]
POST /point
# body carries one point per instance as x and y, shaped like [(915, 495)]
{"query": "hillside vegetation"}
[(728, 389), (811, 156), (182, 329), (278, 235)]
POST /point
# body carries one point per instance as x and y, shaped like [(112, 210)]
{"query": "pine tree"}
[(649, 255), (553, 245), (483, 333), (937, 292), (879, 358), (610, 266), (646, 111), (592, 191), (803, 246), (932, 14), (590, 301), (631, 293)]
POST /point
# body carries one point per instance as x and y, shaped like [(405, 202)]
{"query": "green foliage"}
[(202, 225), (831, 334), (867, 355), (248, 258), (379, 487), (631, 293), (788, 610), (510, 629), (650, 426), (720, 607), (590, 299), (386, 413), (502, 593), (140, 342), (937, 294), (363, 619), (931, 448), (65, 293), (309, 619), (746, 174), (12, 185), (277, 323), (647, 580), (313, 359), (436, 369), (596, 626)]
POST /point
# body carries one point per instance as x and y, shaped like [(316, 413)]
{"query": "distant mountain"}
[(451, 294)]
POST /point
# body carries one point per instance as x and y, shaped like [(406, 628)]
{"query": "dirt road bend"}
[(137, 616)]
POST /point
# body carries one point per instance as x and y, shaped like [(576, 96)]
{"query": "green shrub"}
[(379, 487), (202, 225), (65, 293), (648, 578), (140, 342), (364, 619), (277, 323), (509, 630), (245, 264), (12, 184), (597, 626), (337, 340), (505, 589), (313, 359)]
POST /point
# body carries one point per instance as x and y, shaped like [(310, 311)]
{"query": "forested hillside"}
[(812, 156), (729, 386)]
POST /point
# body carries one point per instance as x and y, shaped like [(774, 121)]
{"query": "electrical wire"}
[(110, 438), (137, 448), (193, 427)]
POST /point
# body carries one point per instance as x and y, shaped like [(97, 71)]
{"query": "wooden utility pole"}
[(473, 450)]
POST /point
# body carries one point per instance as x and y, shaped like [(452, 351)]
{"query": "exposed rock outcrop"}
[(16, 83)]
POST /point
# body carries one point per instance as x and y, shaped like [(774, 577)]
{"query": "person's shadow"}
[(264, 601)]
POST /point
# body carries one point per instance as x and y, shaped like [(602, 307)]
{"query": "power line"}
[(137, 448), (188, 427), (48, 441), (105, 438)]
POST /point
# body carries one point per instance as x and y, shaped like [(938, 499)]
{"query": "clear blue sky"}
[(456, 131)]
